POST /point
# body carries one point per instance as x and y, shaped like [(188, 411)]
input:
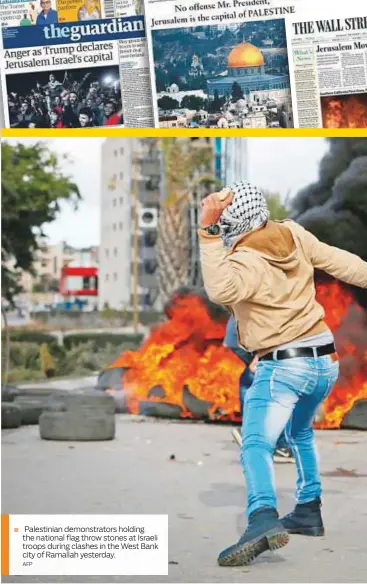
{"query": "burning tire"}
[(356, 418), (77, 426), (10, 415), (120, 400)]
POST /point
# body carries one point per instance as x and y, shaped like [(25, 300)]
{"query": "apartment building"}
[(130, 172)]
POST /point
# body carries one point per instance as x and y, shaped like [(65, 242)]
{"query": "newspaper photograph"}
[(42, 12), (329, 71), (77, 75)]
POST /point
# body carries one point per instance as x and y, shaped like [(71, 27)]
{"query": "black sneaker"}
[(283, 455), (264, 532), (305, 519)]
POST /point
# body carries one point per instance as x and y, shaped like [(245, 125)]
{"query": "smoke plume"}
[(335, 207)]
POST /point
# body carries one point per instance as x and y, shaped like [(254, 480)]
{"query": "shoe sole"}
[(309, 531), (249, 551), (283, 459), (237, 436)]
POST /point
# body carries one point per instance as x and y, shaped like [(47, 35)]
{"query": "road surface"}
[(202, 491)]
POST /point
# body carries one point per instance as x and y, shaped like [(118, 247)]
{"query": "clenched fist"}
[(213, 206)]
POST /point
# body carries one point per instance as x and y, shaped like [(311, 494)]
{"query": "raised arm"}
[(228, 279), (341, 264)]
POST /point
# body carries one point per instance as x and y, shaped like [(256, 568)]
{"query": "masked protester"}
[(263, 271)]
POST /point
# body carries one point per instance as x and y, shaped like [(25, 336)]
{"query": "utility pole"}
[(135, 162)]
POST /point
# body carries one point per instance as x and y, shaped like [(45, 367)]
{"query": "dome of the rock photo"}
[(245, 55)]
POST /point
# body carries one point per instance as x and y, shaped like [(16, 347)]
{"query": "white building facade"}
[(234, 160), (116, 228), (128, 163)]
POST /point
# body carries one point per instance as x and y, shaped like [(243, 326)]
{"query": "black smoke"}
[(334, 208)]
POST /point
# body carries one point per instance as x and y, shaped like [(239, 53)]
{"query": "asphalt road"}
[(203, 492)]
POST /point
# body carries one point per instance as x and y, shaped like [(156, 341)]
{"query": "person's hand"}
[(253, 364), (213, 206)]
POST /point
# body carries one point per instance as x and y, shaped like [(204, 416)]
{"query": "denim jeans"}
[(285, 396), (246, 378)]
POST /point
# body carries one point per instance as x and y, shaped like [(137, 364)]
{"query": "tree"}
[(193, 102), (278, 209), (33, 186), (186, 174), (216, 105), (46, 284), (237, 92), (168, 103)]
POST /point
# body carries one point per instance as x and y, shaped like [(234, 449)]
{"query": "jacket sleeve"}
[(228, 279), (341, 264)]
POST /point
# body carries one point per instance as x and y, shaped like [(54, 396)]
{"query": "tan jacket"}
[(267, 281)]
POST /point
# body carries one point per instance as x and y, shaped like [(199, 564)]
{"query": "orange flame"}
[(187, 351), (344, 111), (347, 320)]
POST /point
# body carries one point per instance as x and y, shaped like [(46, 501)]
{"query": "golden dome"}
[(245, 55)]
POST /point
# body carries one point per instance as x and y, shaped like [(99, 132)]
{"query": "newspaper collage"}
[(66, 64), (184, 64)]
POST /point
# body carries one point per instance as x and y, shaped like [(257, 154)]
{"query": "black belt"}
[(299, 352)]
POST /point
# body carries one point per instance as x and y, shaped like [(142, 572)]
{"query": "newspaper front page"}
[(74, 75), (41, 12), (223, 63), (329, 71)]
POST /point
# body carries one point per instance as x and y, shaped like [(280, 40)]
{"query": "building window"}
[(107, 251), (121, 151), (115, 276), (121, 225), (121, 175), (115, 153), (107, 277), (55, 265), (121, 200), (114, 202), (115, 252), (114, 226)]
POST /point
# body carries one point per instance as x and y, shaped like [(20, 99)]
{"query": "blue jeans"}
[(285, 396)]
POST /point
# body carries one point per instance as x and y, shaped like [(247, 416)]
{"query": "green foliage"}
[(87, 358), (47, 361), (25, 336), (168, 103), (78, 360), (22, 374), (24, 355), (193, 102), (278, 209), (33, 186), (100, 340), (237, 92)]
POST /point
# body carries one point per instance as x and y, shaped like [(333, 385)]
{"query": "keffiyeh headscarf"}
[(247, 211)]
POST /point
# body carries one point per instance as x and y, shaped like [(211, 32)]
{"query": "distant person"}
[(89, 11), (47, 15), (25, 21), (53, 87), (108, 111), (32, 13), (55, 119), (86, 118), (24, 116)]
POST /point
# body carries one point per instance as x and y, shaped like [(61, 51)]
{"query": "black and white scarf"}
[(247, 211)]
